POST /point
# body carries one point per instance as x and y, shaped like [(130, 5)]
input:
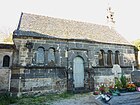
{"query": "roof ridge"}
[(66, 19)]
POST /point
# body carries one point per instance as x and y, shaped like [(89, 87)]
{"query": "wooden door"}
[(78, 72)]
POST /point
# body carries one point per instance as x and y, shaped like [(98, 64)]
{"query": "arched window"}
[(101, 57), (109, 58), (116, 57), (6, 61), (51, 55), (40, 55)]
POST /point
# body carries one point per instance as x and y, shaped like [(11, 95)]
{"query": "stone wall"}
[(39, 80), (88, 50), (65, 52), (5, 72), (5, 76)]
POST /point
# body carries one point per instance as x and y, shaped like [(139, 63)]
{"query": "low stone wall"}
[(108, 80), (49, 85), (107, 75), (48, 80), (4, 79)]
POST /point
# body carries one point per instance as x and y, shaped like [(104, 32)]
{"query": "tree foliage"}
[(8, 39), (137, 44)]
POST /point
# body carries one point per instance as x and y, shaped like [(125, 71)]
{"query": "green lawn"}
[(6, 99)]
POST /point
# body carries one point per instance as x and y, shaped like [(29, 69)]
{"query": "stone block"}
[(15, 76), (30, 76), (42, 71), (4, 79), (135, 76), (27, 71), (34, 71), (14, 85), (39, 75)]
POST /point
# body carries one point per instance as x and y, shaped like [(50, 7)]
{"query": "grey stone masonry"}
[(35, 74)]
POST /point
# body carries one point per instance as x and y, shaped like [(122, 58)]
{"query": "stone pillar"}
[(60, 58), (105, 59), (46, 57), (121, 59), (34, 58), (113, 58)]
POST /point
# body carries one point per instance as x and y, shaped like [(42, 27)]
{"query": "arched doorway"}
[(78, 72)]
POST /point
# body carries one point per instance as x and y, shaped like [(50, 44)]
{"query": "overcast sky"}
[(127, 15)]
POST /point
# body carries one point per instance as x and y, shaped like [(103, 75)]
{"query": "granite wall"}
[(52, 76), (5, 72)]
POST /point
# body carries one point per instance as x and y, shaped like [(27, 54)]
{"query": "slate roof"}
[(6, 46), (67, 29)]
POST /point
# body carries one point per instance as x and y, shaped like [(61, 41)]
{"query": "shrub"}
[(123, 81), (118, 83)]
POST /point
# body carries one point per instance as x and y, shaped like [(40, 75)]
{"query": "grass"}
[(6, 99)]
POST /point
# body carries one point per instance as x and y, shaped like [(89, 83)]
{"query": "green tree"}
[(8, 39), (137, 44)]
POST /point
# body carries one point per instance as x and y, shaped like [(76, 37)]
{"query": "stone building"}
[(6, 52), (56, 55)]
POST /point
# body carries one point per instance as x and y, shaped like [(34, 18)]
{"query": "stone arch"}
[(76, 54)]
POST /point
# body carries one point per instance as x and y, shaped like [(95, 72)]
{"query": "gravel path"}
[(78, 99), (130, 98)]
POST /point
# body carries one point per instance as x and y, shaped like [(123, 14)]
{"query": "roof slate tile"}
[(69, 29)]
